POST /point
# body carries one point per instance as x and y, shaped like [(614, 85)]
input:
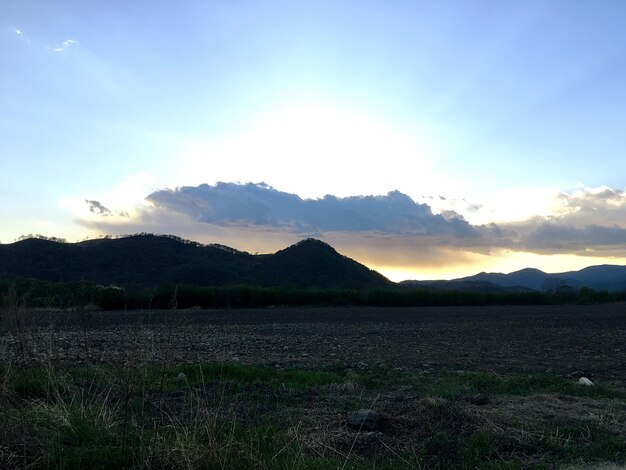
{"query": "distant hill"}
[(150, 260), (603, 277), (529, 278), (608, 275)]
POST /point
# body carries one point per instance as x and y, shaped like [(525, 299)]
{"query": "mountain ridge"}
[(608, 277), (146, 260)]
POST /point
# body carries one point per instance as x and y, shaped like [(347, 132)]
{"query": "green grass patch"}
[(30, 383), (457, 385), (295, 379), (453, 386)]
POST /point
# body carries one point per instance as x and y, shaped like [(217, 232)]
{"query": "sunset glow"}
[(424, 140)]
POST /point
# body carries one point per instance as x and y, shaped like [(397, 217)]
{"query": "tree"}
[(552, 285)]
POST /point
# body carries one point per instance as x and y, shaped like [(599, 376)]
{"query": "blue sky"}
[(491, 112)]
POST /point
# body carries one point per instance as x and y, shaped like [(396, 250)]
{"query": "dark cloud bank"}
[(394, 215), (260, 204)]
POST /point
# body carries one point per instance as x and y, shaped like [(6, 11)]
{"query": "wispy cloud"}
[(19, 32), (64, 45), (96, 207), (99, 209)]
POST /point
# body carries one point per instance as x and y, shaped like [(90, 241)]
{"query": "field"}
[(471, 387)]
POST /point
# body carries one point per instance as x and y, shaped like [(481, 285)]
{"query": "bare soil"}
[(500, 339)]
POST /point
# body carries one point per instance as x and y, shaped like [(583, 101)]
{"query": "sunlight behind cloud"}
[(313, 150), (511, 205), (121, 203), (132, 192)]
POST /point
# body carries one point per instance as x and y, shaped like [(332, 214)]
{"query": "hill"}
[(603, 277), (529, 278), (312, 263), (149, 260)]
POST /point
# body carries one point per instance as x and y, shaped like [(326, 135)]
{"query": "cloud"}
[(20, 34), (54, 48), (262, 205), (602, 205), (95, 207), (584, 222), (562, 237), (64, 45), (392, 228)]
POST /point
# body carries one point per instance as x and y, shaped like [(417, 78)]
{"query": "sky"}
[(425, 139)]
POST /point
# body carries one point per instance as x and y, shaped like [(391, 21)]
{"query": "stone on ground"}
[(364, 420)]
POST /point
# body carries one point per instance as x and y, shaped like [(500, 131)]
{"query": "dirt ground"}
[(501, 339)]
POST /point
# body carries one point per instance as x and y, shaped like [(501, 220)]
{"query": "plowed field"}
[(501, 339)]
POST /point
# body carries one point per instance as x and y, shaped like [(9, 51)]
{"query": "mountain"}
[(315, 263), (150, 260), (529, 278), (597, 274), (602, 277)]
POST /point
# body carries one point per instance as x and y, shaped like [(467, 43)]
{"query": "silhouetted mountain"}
[(149, 260), (595, 274), (603, 277), (529, 278), (315, 263)]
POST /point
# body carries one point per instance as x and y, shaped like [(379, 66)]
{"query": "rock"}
[(181, 378), (585, 381), (364, 420)]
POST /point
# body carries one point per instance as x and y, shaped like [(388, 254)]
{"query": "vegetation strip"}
[(33, 293), (235, 416)]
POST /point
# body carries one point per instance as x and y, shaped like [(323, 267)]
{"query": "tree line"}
[(32, 293)]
